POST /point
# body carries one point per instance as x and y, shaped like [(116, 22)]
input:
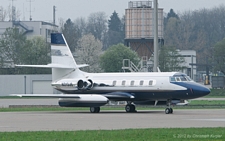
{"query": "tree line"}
[(109, 32), (89, 39), (16, 48), (200, 30)]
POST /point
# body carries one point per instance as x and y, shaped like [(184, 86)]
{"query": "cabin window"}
[(123, 82), (132, 83), (141, 82), (150, 83), (114, 83)]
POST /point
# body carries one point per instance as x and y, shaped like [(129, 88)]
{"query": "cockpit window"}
[(177, 78), (183, 78), (172, 79), (188, 78), (180, 78)]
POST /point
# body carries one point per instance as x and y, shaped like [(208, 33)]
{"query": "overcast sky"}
[(42, 9)]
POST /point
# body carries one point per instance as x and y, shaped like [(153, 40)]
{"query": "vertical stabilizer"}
[(60, 51), (63, 64), (62, 57)]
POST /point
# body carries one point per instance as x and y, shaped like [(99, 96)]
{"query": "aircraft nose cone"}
[(201, 91)]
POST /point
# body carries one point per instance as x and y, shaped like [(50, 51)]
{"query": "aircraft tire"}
[(167, 110), (130, 108), (94, 109), (98, 109), (171, 110)]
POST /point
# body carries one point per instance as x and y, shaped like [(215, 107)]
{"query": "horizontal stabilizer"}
[(48, 95), (52, 66)]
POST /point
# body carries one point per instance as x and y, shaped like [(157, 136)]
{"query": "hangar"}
[(26, 84)]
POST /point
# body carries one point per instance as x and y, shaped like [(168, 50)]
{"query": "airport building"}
[(190, 58), (31, 28), (26, 84)]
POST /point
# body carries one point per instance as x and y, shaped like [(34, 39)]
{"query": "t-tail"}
[(62, 62)]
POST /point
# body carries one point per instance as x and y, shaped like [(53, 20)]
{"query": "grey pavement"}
[(4, 103), (108, 120), (42, 101)]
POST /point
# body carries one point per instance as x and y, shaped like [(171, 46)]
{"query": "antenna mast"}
[(54, 9), (30, 1), (13, 11)]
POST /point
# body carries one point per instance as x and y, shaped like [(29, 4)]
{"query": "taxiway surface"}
[(74, 120)]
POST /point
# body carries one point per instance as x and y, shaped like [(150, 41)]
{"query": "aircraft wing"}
[(48, 95), (120, 96)]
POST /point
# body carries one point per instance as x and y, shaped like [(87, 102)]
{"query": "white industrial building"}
[(26, 84), (31, 28), (190, 59)]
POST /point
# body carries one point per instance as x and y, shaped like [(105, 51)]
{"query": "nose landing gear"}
[(169, 110)]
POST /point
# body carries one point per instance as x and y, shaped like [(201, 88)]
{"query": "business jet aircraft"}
[(82, 89)]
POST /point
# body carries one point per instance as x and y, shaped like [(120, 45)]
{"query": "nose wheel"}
[(169, 110)]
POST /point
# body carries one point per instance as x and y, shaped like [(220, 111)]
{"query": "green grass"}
[(207, 102), (214, 96), (166, 134), (217, 92)]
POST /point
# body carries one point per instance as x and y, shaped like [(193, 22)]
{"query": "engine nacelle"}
[(84, 101), (85, 85)]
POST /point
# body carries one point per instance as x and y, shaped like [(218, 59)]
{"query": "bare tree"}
[(89, 50), (61, 24), (13, 13), (80, 26), (3, 14), (97, 25)]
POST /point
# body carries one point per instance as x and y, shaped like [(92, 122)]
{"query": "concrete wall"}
[(24, 84)]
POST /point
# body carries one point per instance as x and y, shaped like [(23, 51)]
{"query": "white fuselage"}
[(154, 86)]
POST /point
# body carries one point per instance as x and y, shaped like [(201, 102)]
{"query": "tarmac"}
[(105, 120), (5, 103), (109, 120)]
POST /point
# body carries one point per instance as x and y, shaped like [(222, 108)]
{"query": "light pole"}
[(156, 56)]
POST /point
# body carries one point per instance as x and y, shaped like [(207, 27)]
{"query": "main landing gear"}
[(130, 108), (94, 109), (169, 110)]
